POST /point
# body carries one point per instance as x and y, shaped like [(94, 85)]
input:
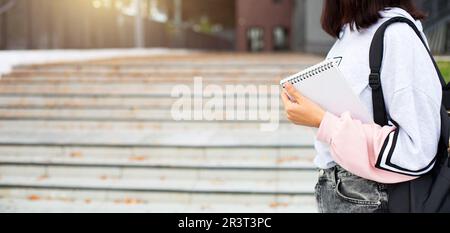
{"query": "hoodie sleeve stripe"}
[(385, 157)]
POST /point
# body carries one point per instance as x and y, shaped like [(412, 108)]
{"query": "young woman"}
[(352, 155)]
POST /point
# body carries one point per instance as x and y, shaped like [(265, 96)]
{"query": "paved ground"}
[(99, 137)]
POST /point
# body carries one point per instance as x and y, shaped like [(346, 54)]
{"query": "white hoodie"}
[(412, 93)]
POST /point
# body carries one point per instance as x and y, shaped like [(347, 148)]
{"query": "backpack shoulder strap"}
[(407, 196), (376, 59)]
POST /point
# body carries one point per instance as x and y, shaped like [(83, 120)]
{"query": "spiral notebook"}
[(325, 85)]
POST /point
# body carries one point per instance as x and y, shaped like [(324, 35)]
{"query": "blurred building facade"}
[(271, 25), (263, 25), (242, 25), (437, 26), (85, 24)]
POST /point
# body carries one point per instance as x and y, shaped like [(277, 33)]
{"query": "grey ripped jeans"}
[(339, 191)]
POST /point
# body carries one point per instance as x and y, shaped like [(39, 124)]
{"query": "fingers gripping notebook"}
[(325, 85)]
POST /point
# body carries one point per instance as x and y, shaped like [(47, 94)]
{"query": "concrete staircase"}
[(98, 137)]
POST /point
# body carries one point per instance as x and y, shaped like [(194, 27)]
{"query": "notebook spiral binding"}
[(310, 73)]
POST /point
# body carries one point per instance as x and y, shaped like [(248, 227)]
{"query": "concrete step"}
[(249, 79), (52, 200), (157, 95), (126, 171), (182, 158), (193, 138), (135, 125), (148, 90), (139, 182), (284, 162), (138, 114), (86, 102), (150, 67), (199, 63), (134, 198), (69, 206), (202, 58), (159, 72)]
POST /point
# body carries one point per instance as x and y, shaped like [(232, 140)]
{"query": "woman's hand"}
[(300, 110)]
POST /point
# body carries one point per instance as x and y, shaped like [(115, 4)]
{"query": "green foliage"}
[(445, 69)]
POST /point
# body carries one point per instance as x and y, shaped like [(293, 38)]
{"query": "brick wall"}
[(266, 14)]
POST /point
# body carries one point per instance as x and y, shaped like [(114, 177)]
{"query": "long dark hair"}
[(360, 14)]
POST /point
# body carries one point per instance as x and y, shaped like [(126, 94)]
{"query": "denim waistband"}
[(337, 172)]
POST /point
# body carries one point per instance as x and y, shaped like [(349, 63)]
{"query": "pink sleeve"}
[(356, 146)]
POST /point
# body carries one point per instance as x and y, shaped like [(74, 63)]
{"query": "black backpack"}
[(430, 192)]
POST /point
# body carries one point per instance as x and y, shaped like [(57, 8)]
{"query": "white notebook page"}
[(325, 85)]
